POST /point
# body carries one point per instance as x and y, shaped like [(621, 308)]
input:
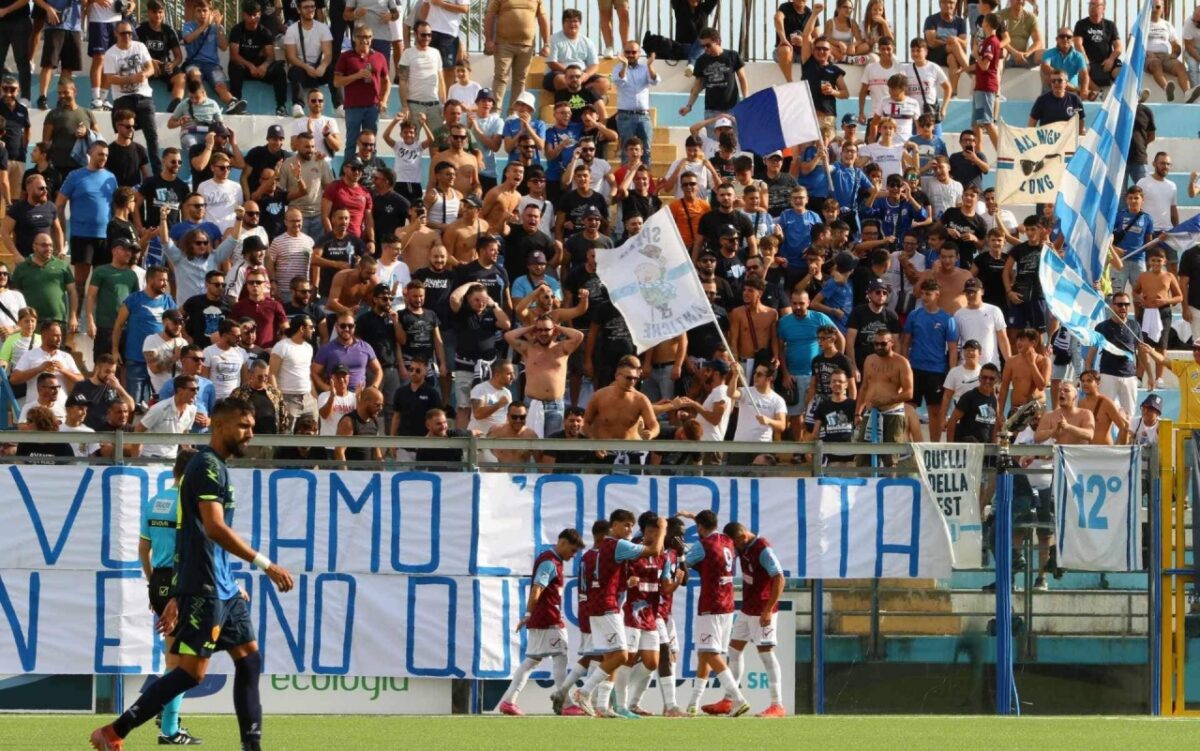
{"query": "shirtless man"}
[(753, 326), (1157, 288), (619, 411), (350, 286), (514, 427), (545, 347), (461, 236), (1026, 373), (500, 203), (663, 367), (417, 238), (887, 386), (1104, 410), (467, 164), (1069, 424), (951, 278)]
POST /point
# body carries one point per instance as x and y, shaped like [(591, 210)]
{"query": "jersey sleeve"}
[(545, 574), (770, 562), (204, 482), (628, 551), (695, 555)]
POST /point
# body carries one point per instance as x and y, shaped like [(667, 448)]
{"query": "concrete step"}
[(894, 624), (892, 601)]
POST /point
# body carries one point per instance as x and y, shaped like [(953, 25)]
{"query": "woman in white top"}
[(845, 34), (442, 200), (875, 24)]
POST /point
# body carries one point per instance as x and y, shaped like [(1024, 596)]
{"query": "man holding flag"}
[(1118, 370)]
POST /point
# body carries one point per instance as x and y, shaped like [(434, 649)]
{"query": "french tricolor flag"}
[(774, 119)]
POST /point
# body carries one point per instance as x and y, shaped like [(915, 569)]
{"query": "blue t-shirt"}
[(160, 519), (840, 295), (90, 193), (930, 333), (847, 184), (203, 49), (896, 219), (512, 128), (955, 27), (928, 148), (70, 15), (817, 181), (797, 233), (800, 337), (206, 397), (1136, 232), (1071, 63), (555, 134), (145, 318)]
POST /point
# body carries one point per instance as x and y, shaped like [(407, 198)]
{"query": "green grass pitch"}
[(893, 733)]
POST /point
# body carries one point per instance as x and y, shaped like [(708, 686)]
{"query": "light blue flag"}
[(1087, 205), (1184, 235), (1076, 304)]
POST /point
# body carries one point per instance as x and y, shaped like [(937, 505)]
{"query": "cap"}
[(485, 94), (219, 129), (723, 122), (78, 400), (774, 155), (122, 242), (473, 200), (1154, 402), (720, 366), (848, 119), (878, 284), (252, 243), (381, 289), (173, 315), (526, 98), (973, 283), (591, 212), (972, 344), (340, 370), (845, 262), (729, 230), (352, 162), (535, 257), (275, 131), (707, 252)]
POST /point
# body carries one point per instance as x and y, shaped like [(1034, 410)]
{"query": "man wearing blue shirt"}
[(90, 192), (897, 210), (930, 342), (1065, 58), (1132, 229), (143, 313), (191, 358), (204, 38), (798, 341), (797, 223), (848, 183)]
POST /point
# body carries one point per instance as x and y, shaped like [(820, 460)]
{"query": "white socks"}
[(594, 679), (774, 675), (565, 685), (730, 685), (520, 678), (639, 681), (603, 694), (698, 685), (666, 686), (558, 669), (621, 686), (735, 665)]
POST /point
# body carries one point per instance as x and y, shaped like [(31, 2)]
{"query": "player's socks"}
[(170, 716), (639, 681), (520, 678), (774, 675), (152, 701), (698, 686), (666, 686), (577, 673), (603, 694), (558, 668), (730, 686), (735, 665), (621, 687), (594, 680), (246, 701)]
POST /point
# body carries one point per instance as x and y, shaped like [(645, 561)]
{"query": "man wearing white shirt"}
[(225, 361), (291, 367), (762, 413), (714, 413), (1163, 51), (445, 18), (875, 82), (632, 80), (163, 349), (490, 400), (49, 395), (326, 138), (983, 323), (961, 379), (422, 81), (47, 358), (337, 402), (991, 213), (308, 48), (1160, 193), (222, 195), (127, 70), (174, 415), (77, 409)]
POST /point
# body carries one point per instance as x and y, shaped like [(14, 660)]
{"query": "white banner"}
[(1030, 166), (1097, 500), (954, 474), (405, 574), (652, 281)]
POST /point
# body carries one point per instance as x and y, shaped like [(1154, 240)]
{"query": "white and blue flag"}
[(1087, 203), (1075, 303), (1184, 235), (1097, 495), (776, 118)]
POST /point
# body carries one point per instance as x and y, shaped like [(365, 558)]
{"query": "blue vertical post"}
[(818, 646), (1003, 552)]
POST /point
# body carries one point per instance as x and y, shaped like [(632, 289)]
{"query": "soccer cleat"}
[(510, 709), (182, 738), (297, 111), (583, 701), (607, 714), (675, 712), (573, 711), (740, 709), (556, 701), (640, 712), (722, 707), (775, 710), (626, 714), (105, 739), (692, 711)]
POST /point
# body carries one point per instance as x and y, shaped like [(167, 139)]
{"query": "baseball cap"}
[(723, 122), (592, 212), (973, 283), (252, 243), (78, 400), (707, 253), (380, 289), (473, 200), (275, 131), (720, 366), (341, 370), (848, 119), (1154, 402), (173, 314), (526, 98), (729, 230), (352, 162), (774, 155), (485, 94), (535, 257), (122, 242), (878, 284)]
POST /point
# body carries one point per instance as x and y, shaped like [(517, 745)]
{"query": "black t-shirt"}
[(16, 120), (816, 74), (711, 224), (419, 329), (705, 340), (614, 340), (120, 229), (271, 210), (572, 205), (443, 455), (202, 316), (860, 279), (779, 192), (823, 369), (519, 244), (636, 204), (1189, 266), (719, 73), (390, 212), (1126, 336), (411, 405), (292, 454), (868, 323), (344, 250), (45, 451), (99, 397), (260, 158), (954, 218), (50, 175), (251, 44), (379, 332), (495, 280), (155, 193), (965, 171), (794, 21), (978, 417), (1097, 38), (126, 162), (732, 270), (671, 457), (438, 286), (577, 247), (1048, 109), (570, 456), (158, 43), (265, 416), (579, 279), (29, 221), (478, 336), (1026, 259), (578, 100), (990, 272), (1143, 127), (837, 423)]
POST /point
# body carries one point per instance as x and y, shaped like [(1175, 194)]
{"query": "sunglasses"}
[(251, 213), (517, 418), (1120, 305), (255, 282), (346, 326)]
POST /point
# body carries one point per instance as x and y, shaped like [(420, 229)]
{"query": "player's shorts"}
[(667, 636), (712, 632), (208, 625), (1030, 314), (160, 588), (585, 644), (927, 388), (90, 250), (545, 642), (641, 640), (746, 628), (608, 633), (101, 36), (62, 47)]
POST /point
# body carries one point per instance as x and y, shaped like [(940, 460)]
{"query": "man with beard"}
[(364, 420), (545, 347), (335, 251)]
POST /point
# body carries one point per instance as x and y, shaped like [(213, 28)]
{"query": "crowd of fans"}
[(862, 278)]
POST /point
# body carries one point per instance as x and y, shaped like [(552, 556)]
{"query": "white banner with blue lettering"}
[(404, 574), (1097, 496)]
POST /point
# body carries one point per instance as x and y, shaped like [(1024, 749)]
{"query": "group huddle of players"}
[(626, 595)]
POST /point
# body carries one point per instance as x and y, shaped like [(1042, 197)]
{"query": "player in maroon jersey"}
[(608, 628), (762, 586), (641, 624), (673, 576), (712, 558), (546, 631), (588, 659)]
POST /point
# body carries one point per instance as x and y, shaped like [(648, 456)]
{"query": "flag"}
[(1077, 305), (653, 283), (1185, 235), (1031, 162), (776, 118), (1091, 188)]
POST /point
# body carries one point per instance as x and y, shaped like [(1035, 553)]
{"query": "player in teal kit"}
[(156, 551), (214, 614)]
